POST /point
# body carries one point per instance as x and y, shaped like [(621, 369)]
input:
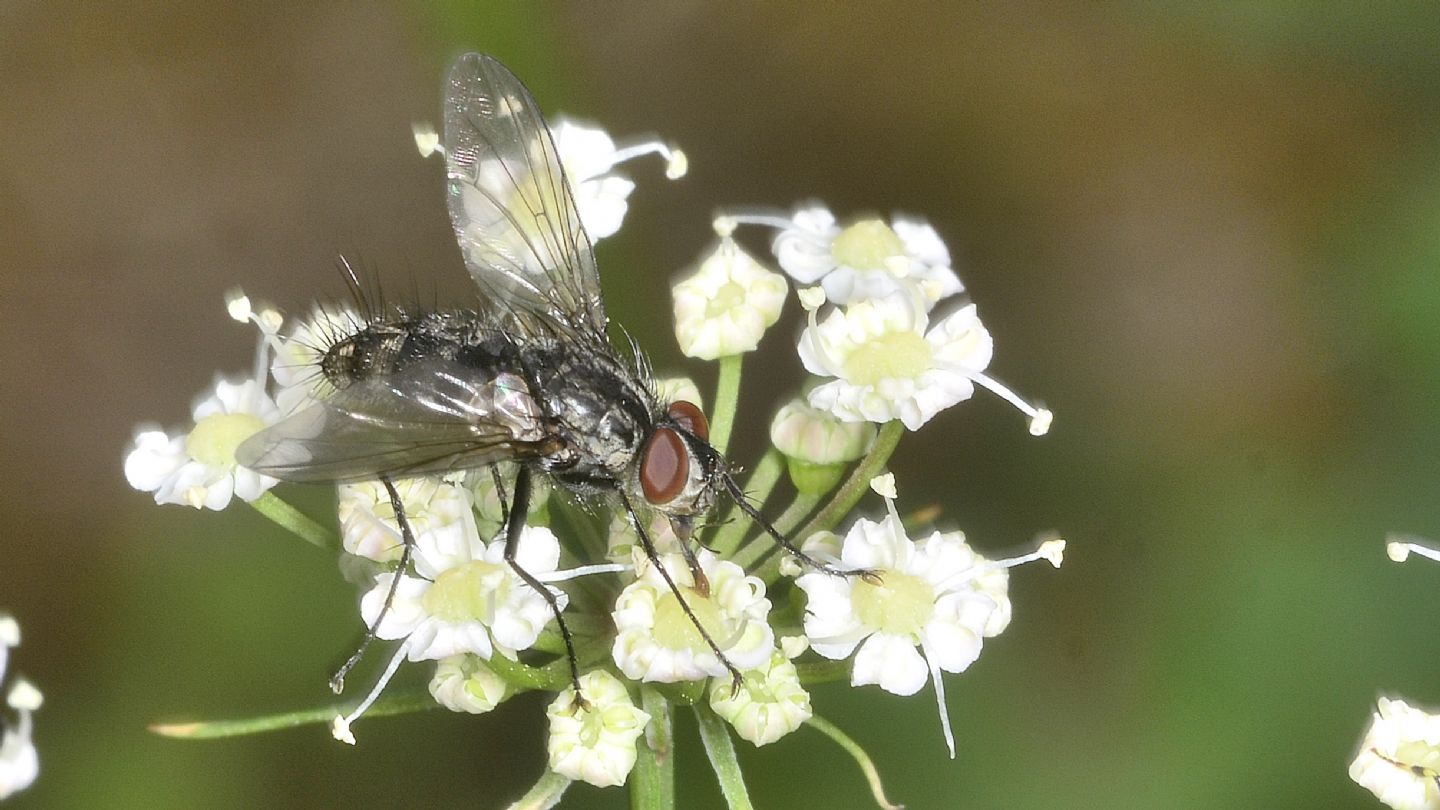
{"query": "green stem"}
[(822, 671), (395, 702), (727, 397), (721, 751), (761, 481), (546, 793), (858, 481), (861, 758), (652, 784), (288, 517)]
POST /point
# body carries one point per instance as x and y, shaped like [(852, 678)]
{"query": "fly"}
[(531, 378)]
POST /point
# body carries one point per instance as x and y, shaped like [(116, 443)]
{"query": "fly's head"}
[(676, 469)]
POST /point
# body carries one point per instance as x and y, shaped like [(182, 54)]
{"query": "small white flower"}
[(465, 683), (889, 362), (726, 305), (806, 433), (657, 641), (868, 259), (595, 743), (936, 594), (367, 518), (1399, 758), (769, 704), (199, 468), (466, 597), (589, 156)]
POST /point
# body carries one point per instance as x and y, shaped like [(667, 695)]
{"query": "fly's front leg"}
[(337, 682), (735, 678), (519, 509)]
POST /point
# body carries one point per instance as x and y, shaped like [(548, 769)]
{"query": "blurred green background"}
[(1207, 236)]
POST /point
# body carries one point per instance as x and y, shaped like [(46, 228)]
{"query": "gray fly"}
[(531, 378)]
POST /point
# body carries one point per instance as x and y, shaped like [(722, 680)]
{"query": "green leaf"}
[(720, 748), (396, 702)]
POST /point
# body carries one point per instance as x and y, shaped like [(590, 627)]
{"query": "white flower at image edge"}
[(595, 743), (868, 259), (199, 468), (726, 305), (656, 641), (467, 598), (887, 365), (1399, 758), (19, 761)]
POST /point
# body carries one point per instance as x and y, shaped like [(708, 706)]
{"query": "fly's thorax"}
[(595, 403)]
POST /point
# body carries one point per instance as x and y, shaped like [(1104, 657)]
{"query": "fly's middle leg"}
[(519, 509)]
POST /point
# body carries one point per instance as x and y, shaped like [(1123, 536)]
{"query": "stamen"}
[(676, 164), (24, 697), (768, 220), (582, 571), (9, 631), (1400, 546), (1052, 551), (811, 298), (1040, 418), (426, 139), (935, 677), (238, 304), (340, 726)]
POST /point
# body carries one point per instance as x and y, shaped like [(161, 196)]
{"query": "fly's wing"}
[(431, 418), (511, 205)]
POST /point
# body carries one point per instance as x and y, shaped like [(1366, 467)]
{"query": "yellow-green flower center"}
[(465, 593), (728, 297), (900, 604), (866, 245), (675, 631), (213, 440), (896, 355)]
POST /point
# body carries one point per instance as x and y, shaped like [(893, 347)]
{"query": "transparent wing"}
[(432, 418), (510, 203)]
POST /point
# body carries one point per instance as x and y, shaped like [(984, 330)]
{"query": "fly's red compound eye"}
[(688, 416), (665, 466)]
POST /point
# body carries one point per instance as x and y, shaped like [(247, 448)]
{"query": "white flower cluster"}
[(19, 761), (879, 351)]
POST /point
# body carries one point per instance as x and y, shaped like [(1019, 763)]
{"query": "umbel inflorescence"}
[(659, 611)]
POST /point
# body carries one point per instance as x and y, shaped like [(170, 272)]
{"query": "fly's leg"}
[(735, 677), (738, 495), (685, 532), (500, 493), (337, 682), (519, 508)]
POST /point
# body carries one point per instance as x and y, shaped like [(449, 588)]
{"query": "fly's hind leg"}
[(519, 508), (337, 681)]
